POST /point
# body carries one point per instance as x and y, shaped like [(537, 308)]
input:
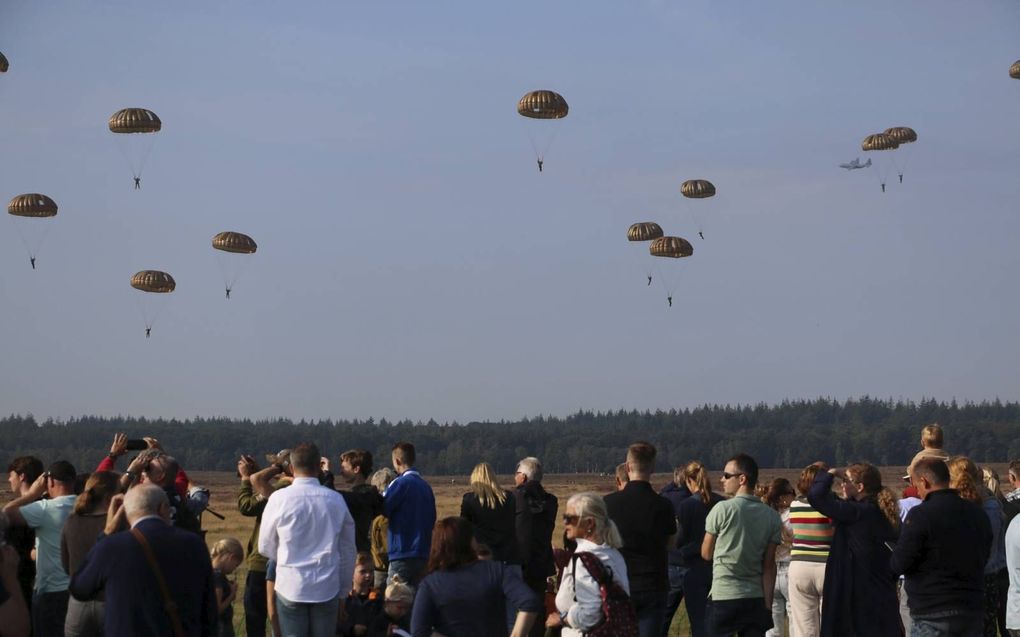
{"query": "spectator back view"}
[(410, 507)]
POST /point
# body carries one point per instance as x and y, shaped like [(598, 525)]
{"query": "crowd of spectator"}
[(362, 554)]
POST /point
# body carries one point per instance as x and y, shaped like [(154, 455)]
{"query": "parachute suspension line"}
[(537, 146), (34, 243), (146, 151)]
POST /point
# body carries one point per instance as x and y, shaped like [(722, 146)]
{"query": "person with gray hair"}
[(379, 529), (129, 565), (535, 520), (579, 600)]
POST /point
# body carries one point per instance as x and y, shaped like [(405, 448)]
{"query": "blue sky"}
[(412, 261)]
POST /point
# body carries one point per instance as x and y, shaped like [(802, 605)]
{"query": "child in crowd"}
[(271, 614), (363, 605), (395, 620), (227, 554)]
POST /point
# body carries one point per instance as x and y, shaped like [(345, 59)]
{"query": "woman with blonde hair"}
[(492, 510), (859, 596), (966, 478), (579, 601), (691, 516), (83, 526)]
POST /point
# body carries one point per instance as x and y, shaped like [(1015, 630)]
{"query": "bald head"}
[(146, 499)]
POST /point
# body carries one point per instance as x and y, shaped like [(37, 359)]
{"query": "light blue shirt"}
[(47, 517)]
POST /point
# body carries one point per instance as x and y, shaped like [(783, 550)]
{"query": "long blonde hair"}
[(871, 479), (591, 505), (486, 487), (696, 473)]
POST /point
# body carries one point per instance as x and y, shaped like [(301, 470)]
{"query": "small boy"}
[(227, 554), (363, 605)]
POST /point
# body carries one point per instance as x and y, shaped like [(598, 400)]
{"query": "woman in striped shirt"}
[(812, 535)]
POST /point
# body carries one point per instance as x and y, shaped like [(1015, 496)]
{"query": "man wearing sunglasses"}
[(741, 536)]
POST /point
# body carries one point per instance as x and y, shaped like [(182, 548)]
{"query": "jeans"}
[(745, 617), (650, 607), (675, 595), (697, 583), (48, 613), (780, 600), (949, 624), (300, 619), (255, 611), (410, 571), (84, 619), (908, 623)]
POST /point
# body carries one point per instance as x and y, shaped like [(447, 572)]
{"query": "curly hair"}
[(965, 477), (871, 482)]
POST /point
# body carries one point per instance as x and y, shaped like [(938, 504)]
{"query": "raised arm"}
[(824, 501)]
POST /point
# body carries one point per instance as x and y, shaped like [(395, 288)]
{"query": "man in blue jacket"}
[(943, 546), (118, 565), (411, 508)]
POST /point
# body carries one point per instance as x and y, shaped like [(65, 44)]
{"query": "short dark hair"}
[(1014, 468), (404, 451), (63, 471), (934, 470), (641, 454), (451, 544), (31, 466), (360, 458), (747, 466), (305, 457), (621, 473)]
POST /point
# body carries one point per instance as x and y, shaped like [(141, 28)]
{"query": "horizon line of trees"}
[(790, 434)]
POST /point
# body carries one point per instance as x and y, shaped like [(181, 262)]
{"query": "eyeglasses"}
[(727, 476), (571, 519)]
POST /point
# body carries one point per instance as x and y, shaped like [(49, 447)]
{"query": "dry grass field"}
[(449, 490)]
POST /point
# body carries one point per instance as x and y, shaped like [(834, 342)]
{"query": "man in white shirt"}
[(308, 530)]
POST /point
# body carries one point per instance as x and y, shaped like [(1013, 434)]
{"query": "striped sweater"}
[(812, 533)]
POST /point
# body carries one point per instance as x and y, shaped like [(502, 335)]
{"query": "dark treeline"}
[(790, 434)]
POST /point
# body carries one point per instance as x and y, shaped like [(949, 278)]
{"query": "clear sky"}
[(413, 262)]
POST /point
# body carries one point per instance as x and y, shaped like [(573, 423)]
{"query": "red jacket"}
[(181, 481)]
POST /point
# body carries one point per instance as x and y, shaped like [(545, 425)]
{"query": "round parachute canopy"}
[(674, 247), (153, 281), (1014, 71), (644, 231), (697, 189), (234, 242), (4, 64), (543, 105), (879, 141), (901, 134), (135, 120), (32, 205)]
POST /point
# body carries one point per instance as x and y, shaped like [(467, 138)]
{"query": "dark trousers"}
[(650, 608), (49, 610), (255, 611), (745, 617), (537, 585), (674, 596), (697, 583)]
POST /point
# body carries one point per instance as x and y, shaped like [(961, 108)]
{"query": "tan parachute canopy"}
[(697, 189), (234, 242), (901, 134), (674, 247), (543, 105), (32, 205), (135, 120), (153, 281), (879, 141), (644, 231), (1014, 71), (4, 64)]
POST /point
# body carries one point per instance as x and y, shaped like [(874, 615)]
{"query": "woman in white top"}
[(587, 522)]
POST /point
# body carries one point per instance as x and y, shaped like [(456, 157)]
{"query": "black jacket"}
[(365, 503), (943, 548), (536, 519), (645, 520), (495, 528)]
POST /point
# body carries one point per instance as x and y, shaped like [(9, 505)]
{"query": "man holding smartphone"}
[(49, 597)]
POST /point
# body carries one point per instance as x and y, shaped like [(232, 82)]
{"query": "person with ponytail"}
[(579, 601), (691, 520), (966, 478), (860, 589), (83, 526), (492, 510), (779, 496)]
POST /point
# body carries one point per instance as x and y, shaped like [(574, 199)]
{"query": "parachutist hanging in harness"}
[(670, 299), (148, 332), (32, 259), (138, 183), (901, 178), (228, 293), (540, 162), (649, 279), (700, 234), (883, 187)]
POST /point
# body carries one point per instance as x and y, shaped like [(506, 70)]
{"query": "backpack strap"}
[(168, 602), (602, 575)]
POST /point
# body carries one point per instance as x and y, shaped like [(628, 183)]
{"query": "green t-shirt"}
[(743, 528)]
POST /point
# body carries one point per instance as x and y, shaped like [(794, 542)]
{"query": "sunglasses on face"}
[(727, 476)]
